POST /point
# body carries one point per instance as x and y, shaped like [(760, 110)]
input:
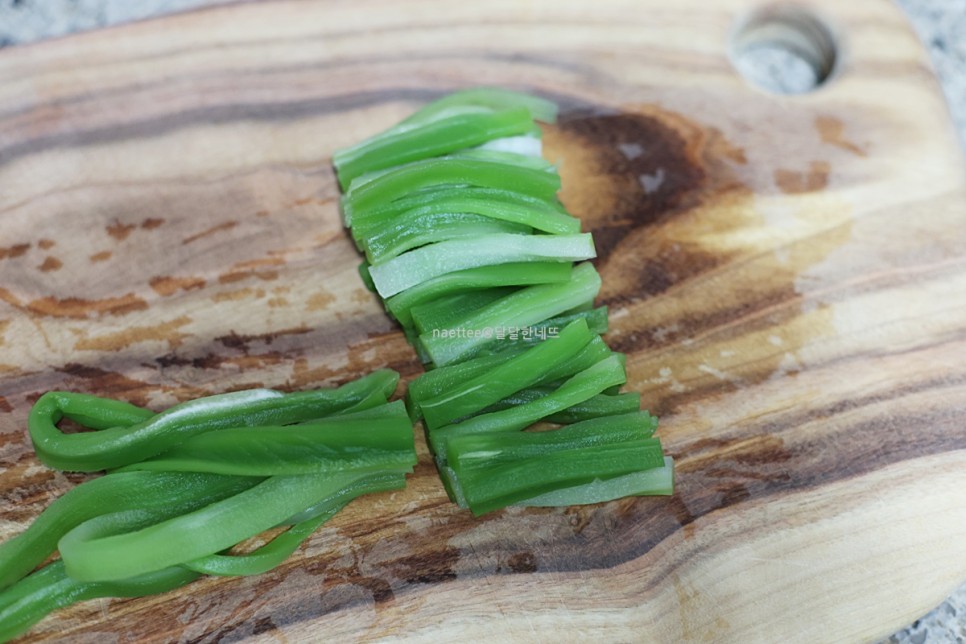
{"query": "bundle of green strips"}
[(473, 254), (186, 486)]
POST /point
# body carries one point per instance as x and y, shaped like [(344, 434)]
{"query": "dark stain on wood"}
[(50, 263), (119, 231), (11, 252), (75, 307), (811, 180), (166, 285), (109, 384)]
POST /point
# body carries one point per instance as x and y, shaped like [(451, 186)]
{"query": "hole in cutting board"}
[(784, 49)]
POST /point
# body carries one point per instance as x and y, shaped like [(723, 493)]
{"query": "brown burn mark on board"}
[(626, 171), (12, 252), (635, 179), (811, 180), (163, 332), (75, 307), (258, 268), (151, 223), (319, 301), (50, 263), (119, 231), (46, 244), (227, 225), (5, 407), (166, 285), (110, 384), (832, 131), (100, 256)]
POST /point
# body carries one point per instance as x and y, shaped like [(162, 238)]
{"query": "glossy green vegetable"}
[(113, 445), (493, 318), (520, 309), (415, 267), (154, 491), (471, 279), (51, 588), (220, 478), (506, 378)]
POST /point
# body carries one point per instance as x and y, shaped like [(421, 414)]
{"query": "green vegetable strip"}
[(521, 309), (490, 488), (111, 493), (596, 320), (432, 139), (507, 158), (655, 481), (444, 379), (507, 446), (51, 588), (116, 446), (522, 274), (492, 98), (417, 266), (580, 387), (544, 214), (443, 171), (435, 382), (378, 240), (276, 551), (341, 443), (418, 231), (94, 551), (599, 405), (448, 310), (512, 375)]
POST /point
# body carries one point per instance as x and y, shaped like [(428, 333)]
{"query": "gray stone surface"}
[(941, 24)]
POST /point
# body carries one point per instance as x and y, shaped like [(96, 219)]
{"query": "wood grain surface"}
[(787, 275)]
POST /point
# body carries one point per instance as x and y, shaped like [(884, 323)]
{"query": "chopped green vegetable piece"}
[(445, 171), (599, 405), (512, 375), (125, 544), (522, 274), (508, 446), (578, 388), (431, 139), (278, 550), (112, 447), (448, 310), (493, 98), (544, 214), (51, 588), (112, 493), (658, 481), (414, 230), (356, 442), (520, 309), (492, 487), (433, 383), (417, 266)]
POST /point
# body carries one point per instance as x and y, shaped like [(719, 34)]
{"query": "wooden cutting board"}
[(787, 275)]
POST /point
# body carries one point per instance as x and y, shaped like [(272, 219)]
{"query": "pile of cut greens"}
[(473, 254), (186, 486)]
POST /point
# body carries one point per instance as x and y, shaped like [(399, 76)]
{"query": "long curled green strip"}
[(219, 471), (116, 445), (51, 588), (176, 492)]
